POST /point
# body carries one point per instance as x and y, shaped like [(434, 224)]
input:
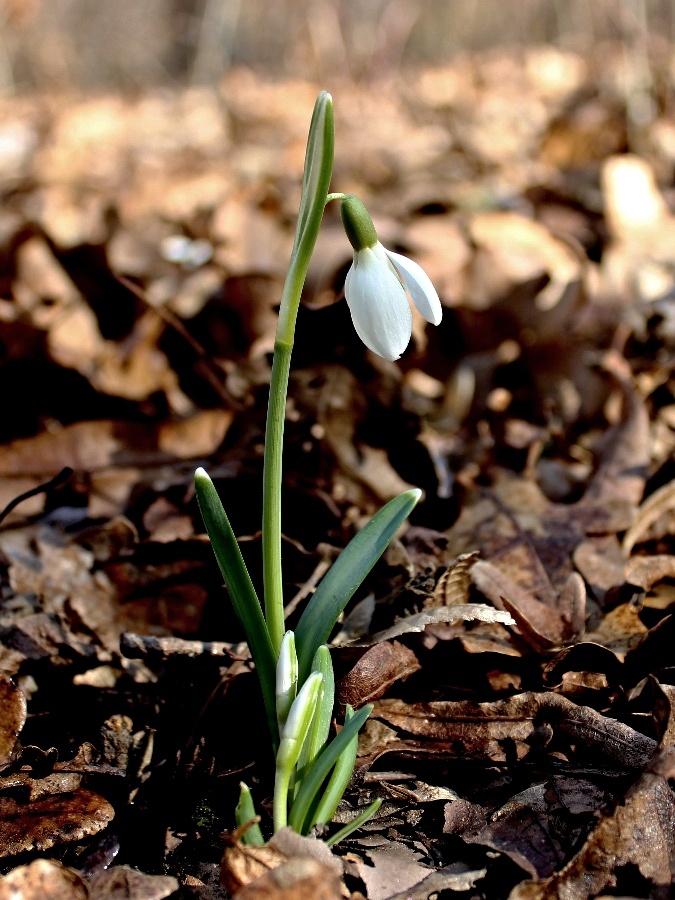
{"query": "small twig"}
[(140, 646), (203, 366), (45, 488)]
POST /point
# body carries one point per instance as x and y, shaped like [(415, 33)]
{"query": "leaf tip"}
[(415, 494)]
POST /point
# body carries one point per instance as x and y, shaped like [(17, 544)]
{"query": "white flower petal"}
[(419, 287), (378, 304)]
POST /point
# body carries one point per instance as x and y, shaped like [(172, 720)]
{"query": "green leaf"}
[(317, 775), (347, 573), (323, 714), (244, 813), (242, 593), (338, 781), (355, 823)]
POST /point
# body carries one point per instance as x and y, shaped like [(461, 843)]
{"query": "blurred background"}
[(89, 44)]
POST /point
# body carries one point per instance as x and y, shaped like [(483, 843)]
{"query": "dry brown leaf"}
[(241, 864), (653, 652), (299, 878), (41, 636), (12, 717), (620, 630), (52, 820), (379, 667), (660, 503), (467, 612), (645, 819), (393, 870), (646, 571), (125, 883), (601, 562), (505, 728), (452, 588), (512, 250), (198, 435), (82, 446), (664, 713), (541, 625), (339, 405), (623, 468), (534, 826), (43, 878)]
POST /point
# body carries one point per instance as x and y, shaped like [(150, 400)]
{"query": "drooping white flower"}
[(376, 286)]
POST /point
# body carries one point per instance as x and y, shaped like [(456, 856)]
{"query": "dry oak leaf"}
[(43, 878), (12, 717), (54, 819), (638, 832)]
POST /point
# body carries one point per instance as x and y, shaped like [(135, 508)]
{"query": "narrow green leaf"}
[(355, 823), (319, 771), (242, 593), (338, 781), (347, 573), (244, 813), (323, 714)]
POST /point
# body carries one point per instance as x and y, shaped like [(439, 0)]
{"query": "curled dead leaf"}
[(467, 612), (380, 666)]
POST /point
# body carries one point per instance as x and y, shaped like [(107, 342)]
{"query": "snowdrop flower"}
[(376, 287)]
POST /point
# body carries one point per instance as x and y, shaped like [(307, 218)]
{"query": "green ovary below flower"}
[(376, 286)]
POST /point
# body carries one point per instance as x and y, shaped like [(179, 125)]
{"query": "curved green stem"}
[(316, 179)]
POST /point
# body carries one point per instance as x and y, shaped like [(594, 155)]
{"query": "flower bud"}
[(357, 223)]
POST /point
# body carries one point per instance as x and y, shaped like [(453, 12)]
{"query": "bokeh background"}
[(88, 44)]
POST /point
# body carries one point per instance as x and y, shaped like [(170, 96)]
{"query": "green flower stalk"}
[(318, 171), (295, 669)]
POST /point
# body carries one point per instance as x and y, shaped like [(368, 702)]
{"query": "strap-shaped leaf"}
[(355, 823), (323, 765), (240, 587), (323, 714), (338, 781), (347, 573)]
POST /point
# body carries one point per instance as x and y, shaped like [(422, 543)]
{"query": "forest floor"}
[(143, 246)]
